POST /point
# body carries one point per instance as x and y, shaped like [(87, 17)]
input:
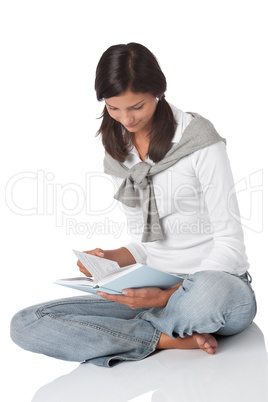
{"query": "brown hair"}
[(133, 67)]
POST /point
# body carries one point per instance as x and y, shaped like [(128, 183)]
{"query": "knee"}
[(18, 327), (214, 288), (208, 278), (205, 280)]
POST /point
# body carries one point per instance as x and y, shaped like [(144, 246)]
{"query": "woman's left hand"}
[(140, 298)]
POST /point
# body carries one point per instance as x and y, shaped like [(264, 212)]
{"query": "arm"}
[(213, 170), (121, 255)]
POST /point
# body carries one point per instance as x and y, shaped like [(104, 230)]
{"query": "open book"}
[(107, 276)]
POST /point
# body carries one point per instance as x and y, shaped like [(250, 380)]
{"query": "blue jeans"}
[(103, 332)]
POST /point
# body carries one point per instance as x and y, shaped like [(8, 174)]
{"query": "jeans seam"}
[(155, 338), (253, 300), (150, 350), (104, 330), (122, 358), (39, 311)]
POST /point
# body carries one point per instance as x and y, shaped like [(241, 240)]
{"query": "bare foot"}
[(207, 342)]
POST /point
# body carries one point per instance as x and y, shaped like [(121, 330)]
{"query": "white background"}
[(214, 56)]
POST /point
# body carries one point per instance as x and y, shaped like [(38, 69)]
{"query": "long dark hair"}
[(133, 67)]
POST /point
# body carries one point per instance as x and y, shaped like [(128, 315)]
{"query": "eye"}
[(137, 108), (112, 108)]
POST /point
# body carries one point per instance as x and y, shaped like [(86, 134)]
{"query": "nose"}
[(127, 119)]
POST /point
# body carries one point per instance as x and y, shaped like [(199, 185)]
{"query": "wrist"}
[(166, 294), (165, 297), (121, 255), (169, 292)]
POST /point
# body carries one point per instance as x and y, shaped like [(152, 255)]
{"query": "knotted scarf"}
[(199, 134)]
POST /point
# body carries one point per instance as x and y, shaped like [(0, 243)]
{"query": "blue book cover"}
[(117, 279)]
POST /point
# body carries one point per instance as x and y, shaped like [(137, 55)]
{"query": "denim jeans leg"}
[(84, 329), (103, 332), (207, 302)]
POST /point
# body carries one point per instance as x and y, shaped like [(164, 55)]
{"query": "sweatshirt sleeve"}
[(213, 170), (138, 251)]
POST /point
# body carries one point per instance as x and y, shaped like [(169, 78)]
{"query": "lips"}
[(132, 126)]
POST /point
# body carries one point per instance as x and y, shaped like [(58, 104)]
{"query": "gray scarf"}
[(199, 134)]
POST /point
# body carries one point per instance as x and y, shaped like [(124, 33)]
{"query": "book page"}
[(78, 281), (118, 273), (97, 266)]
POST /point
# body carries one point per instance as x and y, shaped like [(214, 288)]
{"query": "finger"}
[(106, 295), (85, 271), (131, 302), (134, 292), (87, 274), (97, 252), (115, 298)]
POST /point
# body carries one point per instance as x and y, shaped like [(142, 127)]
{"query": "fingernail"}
[(125, 292)]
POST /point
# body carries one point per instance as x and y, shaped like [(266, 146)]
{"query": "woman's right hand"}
[(98, 252)]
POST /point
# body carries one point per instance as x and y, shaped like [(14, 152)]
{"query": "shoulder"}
[(182, 119), (214, 158)]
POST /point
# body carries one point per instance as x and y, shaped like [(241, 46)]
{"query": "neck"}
[(141, 143), (141, 138)]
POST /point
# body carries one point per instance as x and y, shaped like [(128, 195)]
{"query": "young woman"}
[(176, 187)]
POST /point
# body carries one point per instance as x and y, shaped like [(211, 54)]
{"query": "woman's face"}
[(134, 110)]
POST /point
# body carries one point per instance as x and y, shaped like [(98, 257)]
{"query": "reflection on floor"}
[(238, 372)]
